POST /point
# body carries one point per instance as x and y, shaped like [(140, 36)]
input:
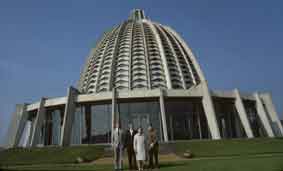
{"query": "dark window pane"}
[(185, 119), (141, 114)]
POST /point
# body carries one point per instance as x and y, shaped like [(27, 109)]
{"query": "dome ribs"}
[(139, 62), (197, 72), (121, 75), (183, 60), (140, 54), (154, 58), (107, 62), (173, 63), (94, 64)]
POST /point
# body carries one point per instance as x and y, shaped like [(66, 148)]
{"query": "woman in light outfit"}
[(139, 147)]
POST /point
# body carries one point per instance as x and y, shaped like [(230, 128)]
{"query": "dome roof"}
[(140, 54)]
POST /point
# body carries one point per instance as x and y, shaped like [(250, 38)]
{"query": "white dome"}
[(139, 54)]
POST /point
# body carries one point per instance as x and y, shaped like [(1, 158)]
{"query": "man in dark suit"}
[(153, 147), (129, 140)]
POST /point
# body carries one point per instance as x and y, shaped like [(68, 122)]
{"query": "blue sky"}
[(43, 44)]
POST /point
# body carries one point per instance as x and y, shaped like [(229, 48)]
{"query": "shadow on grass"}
[(168, 165)]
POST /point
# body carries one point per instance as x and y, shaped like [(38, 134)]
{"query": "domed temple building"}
[(142, 72)]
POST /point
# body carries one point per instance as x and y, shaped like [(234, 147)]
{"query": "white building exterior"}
[(143, 73)]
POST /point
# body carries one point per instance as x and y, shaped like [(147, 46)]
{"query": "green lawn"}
[(236, 154), (252, 163), (235, 147), (273, 163), (50, 155)]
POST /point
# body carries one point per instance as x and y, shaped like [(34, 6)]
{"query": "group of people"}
[(140, 148)]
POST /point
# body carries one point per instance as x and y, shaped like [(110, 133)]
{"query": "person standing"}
[(129, 142), (153, 147), (117, 143), (139, 147)]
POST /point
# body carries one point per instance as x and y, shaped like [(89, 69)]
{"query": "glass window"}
[(255, 122), (56, 127), (77, 126), (29, 127), (185, 119), (228, 119), (141, 114), (51, 128), (101, 123), (47, 129)]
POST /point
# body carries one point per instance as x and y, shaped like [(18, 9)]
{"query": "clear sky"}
[(43, 44)]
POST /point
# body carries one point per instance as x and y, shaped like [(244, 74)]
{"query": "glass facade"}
[(101, 123), (78, 126), (31, 119), (51, 128), (141, 114), (56, 127), (255, 122), (228, 119), (185, 119), (46, 130), (95, 123)]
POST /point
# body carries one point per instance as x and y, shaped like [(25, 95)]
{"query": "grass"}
[(273, 163), (237, 154), (263, 163), (50, 155), (235, 147)]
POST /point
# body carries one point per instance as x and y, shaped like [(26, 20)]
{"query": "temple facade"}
[(143, 73)]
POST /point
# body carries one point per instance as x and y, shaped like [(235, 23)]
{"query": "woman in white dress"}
[(139, 147)]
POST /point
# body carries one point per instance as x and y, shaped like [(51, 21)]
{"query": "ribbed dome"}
[(139, 54)]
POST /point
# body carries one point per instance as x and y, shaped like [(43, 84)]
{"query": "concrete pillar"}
[(38, 123), (263, 115), (113, 112), (271, 111), (243, 114), (22, 124), (17, 125), (163, 115), (69, 114), (30, 134), (210, 112)]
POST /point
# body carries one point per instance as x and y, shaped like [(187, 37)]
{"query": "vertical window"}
[(56, 127), (101, 123), (185, 119), (255, 122), (141, 114), (228, 119)]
